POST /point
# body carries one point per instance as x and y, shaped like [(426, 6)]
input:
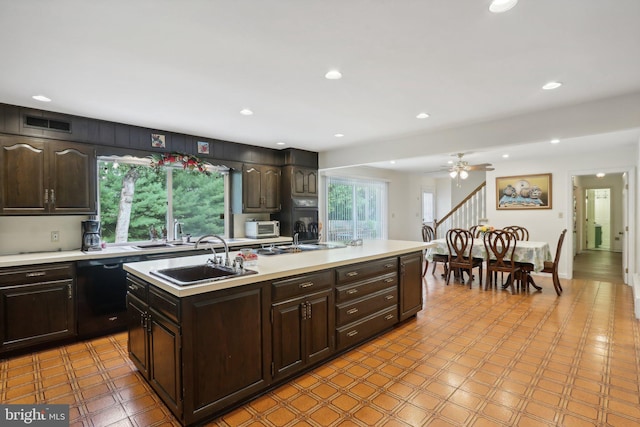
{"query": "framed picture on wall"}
[(203, 147), (157, 140), (523, 192)]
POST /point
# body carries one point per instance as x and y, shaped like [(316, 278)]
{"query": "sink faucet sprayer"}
[(227, 261), (295, 240)]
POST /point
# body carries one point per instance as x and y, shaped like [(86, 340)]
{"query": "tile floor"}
[(470, 358)]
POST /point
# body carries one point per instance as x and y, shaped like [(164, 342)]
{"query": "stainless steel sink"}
[(161, 245), (202, 273), (291, 249)]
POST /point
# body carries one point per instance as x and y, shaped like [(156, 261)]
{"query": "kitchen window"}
[(138, 203), (356, 209)]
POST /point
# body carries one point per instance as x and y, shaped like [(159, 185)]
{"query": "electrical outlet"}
[(55, 236)]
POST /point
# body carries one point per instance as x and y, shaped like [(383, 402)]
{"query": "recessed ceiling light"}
[(422, 116), (555, 141), (499, 6), (505, 156), (338, 135), (280, 143), (600, 175), (393, 162), (41, 98), (450, 162), (551, 85), (246, 112), (333, 75)]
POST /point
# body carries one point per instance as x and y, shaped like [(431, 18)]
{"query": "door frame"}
[(629, 212)]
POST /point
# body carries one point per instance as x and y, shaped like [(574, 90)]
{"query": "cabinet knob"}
[(352, 291)]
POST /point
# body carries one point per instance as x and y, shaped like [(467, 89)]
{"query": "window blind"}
[(356, 209)]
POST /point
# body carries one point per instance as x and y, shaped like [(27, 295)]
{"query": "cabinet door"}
[(288, 342), (319, 328), (36, 313), (138, 342), (251, 189), (72, 179), (23, 177), (164, 360), (271, 189), (226, 348), (410, 285), (304, 182), (312, 183)]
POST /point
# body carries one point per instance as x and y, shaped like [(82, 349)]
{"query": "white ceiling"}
[(190, 66)]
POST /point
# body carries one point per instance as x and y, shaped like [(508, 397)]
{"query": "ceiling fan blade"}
[(480, 167)]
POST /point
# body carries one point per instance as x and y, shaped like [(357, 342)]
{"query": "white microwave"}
[(261, 229)]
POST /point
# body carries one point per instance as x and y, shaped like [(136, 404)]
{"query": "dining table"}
[(526, 252)]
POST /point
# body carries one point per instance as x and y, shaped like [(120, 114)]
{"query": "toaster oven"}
[(261, 229)]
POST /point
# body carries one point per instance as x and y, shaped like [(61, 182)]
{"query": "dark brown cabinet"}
[(226, 348), (410, 285), (37, 306), (260, 188), (304, 181), (367, 300), (46, 177), (303, 322), (155, 341)]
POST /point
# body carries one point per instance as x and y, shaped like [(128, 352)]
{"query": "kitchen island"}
[(209, 347)]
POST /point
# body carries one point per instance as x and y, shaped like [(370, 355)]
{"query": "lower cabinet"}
[(302, 322), (207, 353), (410, 285), (37, 305), (155, 341)]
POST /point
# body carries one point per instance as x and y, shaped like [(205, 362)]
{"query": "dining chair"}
[(460, 244), (474, 230), (552, 266), (500, 246), (428, 234), (520, 232)]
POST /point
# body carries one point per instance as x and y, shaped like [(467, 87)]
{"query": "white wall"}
[(547, 224), (33, 233), (404, 214)]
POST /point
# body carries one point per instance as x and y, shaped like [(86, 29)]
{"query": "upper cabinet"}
[(304, 181), (260, 188), (46, 177)]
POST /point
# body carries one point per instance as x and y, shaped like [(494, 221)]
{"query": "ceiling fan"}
[(460, 169)]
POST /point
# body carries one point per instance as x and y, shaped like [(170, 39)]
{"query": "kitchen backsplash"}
[(33, 233)]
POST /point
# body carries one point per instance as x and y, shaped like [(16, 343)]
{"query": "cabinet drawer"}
[(164, 303), (301, 285), (351, 311), (366, 269), (367, 327), (36, 274), (137, 287), (365, 287)]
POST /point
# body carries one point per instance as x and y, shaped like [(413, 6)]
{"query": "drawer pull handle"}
[(389, 280), (389, 297), (389, 317), (352, 273), (352, 311), (112, 319), (352, 291), (133, 288), (352, 333), (37, 274), (305, 285), (388, 265)]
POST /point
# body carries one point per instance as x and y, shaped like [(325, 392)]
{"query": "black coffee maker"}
[(91, 235)]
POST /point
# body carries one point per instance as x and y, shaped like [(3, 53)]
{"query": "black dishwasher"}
[(102, 295)]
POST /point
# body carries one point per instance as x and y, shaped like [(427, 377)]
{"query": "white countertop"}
[(112, 251), (270, 267)]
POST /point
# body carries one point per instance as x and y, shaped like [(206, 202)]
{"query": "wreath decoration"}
[(188, 162)]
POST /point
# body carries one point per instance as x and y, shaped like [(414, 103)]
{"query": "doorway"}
[(599, 224), (598, 229)]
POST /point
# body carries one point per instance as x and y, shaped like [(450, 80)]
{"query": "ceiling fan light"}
[(453, 174), (464, 174)]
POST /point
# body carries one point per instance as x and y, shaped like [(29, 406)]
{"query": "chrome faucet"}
[(227, 261), (177, 230), (295, 240)]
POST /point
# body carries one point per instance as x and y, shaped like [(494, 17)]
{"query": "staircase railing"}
[(470, 211)]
